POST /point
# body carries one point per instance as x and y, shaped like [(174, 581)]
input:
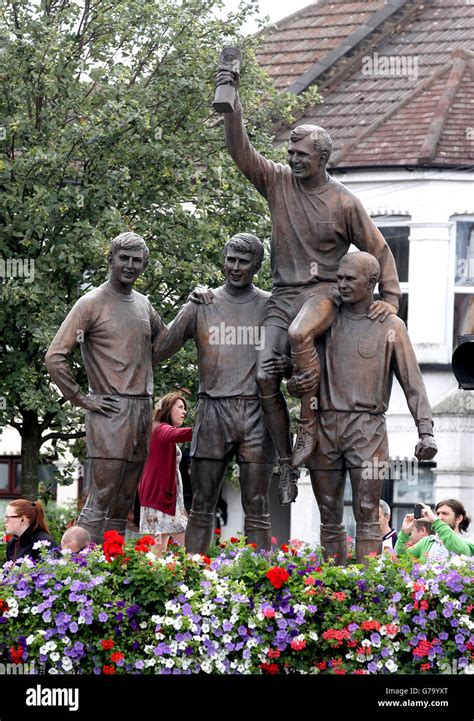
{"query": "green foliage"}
[(59, 517), (109, 126), (241, 611)]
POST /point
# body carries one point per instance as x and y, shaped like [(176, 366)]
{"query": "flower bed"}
[(121, 610)]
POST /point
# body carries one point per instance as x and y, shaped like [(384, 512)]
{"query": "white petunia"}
[(66, 663), (40, 544)]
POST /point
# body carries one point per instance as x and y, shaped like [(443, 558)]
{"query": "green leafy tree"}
[(106, 124)]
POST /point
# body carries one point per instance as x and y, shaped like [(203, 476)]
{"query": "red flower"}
[(423, 649), (3, 606), (339, 596), (108, 670), (297, 645), (206, 559), (16, 654), (273, 653), (107, 643), (274, 540), (233, 539), (252, 545), (335, 634), (271, 668), (269, 612), (370, 625), (340, 671), (309, 581), (425, 666), (113, 545), (277, 576), (143, 544), (217, 531), (284, 548), (116, 656), (470, 607), (322, 665)]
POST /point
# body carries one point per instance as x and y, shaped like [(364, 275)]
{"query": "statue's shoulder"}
[(262, 295), (343, 191), (393, 323), (91, 297), (140, 297)]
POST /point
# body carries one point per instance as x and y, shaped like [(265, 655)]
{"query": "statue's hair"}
[(245, 243), (129, 241), (320, 137), (367, 262)]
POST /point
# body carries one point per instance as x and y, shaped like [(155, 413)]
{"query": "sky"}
[(276, 9)]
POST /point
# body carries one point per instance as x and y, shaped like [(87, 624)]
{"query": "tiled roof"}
[(422, 115), (310, 34)]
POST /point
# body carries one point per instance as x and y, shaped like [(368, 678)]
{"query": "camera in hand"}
[(418, 511)]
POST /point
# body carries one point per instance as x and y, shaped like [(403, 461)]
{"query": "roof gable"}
[(419, 113)]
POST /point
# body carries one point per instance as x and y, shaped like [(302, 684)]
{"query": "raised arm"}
[(252, 164)]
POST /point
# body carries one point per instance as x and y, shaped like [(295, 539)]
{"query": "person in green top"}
[(448, 522)]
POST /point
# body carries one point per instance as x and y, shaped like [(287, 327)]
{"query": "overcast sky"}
[(276, 9)]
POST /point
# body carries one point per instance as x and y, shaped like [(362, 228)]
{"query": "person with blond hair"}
[(25, 522), (162, 511)]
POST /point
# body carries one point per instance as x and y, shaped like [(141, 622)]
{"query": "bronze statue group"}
[(320, 328)]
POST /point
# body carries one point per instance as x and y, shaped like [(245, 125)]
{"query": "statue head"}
[(128, 257), (357, 275), (243, 255), (309, 150)]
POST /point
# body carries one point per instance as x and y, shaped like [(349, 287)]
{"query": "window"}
[(463, 279), (397, 237), (10, 476)]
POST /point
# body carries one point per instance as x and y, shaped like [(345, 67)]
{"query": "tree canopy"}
[(106, 124)]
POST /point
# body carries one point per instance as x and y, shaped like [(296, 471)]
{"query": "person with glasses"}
[(25, 522)]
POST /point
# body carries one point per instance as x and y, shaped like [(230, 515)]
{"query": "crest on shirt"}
[(367, 347)]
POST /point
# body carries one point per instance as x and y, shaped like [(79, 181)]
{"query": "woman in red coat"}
[(162, 512)]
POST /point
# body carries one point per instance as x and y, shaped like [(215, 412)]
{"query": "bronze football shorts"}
[(124, 435), (225, 427)]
